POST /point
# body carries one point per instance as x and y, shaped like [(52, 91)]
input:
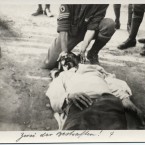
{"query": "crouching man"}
[(78, 23)]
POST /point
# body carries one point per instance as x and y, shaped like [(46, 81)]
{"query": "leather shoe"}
[(38, 12), (47, 13), (128, 43)]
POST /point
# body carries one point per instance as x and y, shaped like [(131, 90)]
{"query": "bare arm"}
[(87, 39), (64, 41)]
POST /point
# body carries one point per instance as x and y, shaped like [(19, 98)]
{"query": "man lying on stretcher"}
[(88, 86)]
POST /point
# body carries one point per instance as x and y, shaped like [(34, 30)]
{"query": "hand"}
[(80, 98), (82, 57)]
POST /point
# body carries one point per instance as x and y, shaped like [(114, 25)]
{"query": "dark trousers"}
[(117, 8), (106, 113), (47, 6), (138, 14)]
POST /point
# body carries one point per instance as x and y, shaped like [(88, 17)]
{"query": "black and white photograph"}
[(72, 67)]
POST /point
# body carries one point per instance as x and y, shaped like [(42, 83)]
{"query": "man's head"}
[(68, 61)]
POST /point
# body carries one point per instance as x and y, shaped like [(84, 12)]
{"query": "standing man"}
[(78, 23), (40, 10), (117, 8)]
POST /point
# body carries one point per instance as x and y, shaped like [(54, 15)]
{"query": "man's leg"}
[(117, 15), (106, 30), (129, 17), (106, 113), (47, 10), (138, 13), (47, 6), (39, 10), (55, 49)]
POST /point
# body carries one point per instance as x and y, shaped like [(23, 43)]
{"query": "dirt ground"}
[(24, 41)]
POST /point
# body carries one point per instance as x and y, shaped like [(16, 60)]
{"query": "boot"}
[(128, 43), (39, 11), (117, 15), (129, 17), (92, 55), (131, 41), (47, 11)]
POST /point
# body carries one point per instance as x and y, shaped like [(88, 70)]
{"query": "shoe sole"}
[(126, 47), (141, 42)]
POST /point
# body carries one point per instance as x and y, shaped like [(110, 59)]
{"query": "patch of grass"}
[(7, 26)]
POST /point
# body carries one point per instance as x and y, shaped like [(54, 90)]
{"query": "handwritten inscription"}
[(59, 134)]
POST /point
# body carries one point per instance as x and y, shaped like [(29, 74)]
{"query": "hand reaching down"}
[(80, 98)]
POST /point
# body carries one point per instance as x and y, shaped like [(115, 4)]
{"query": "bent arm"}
[(87, 39)]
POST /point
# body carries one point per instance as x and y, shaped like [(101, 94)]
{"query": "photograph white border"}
[(126, 136)]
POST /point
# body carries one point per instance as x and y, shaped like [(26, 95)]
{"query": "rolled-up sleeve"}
[(97, 17), (63, 20)]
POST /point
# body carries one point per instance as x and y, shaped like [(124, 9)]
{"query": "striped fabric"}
[(63, 16)]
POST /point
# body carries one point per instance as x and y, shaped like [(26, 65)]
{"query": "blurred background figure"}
[(46, 10), (138, 14), (117, 8)]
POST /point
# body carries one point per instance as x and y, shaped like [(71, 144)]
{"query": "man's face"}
[(69, 61)]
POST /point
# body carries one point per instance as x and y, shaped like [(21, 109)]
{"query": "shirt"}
[(74, 18), (89, 79)]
